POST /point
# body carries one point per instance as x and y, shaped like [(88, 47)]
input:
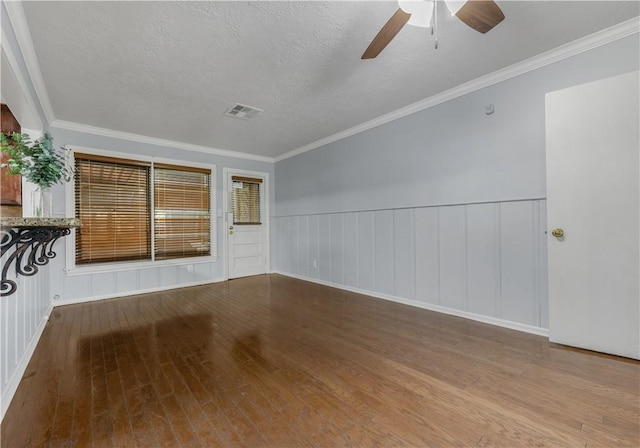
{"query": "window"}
[(112, 203), (246, 200), (139, 210), (182, 212)]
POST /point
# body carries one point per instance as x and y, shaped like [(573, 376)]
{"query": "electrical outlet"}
[(189, 268), (315, 264)]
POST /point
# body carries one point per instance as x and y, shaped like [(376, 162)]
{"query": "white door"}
[(246, 224), (594, 198)]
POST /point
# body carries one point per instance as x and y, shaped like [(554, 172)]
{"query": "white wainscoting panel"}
[(543, 281), (147, 278), (337, 252), (313, 242), (384, 279), (350, 237), (23, 316), (126, 278), (77, 288), (281, 258), (103, 283), (324, 247), (366, 252), (303, 246), (485, 259), (427, 246), (294, 245), (169, 275), (453, 269), (518, 223), (404, 253)]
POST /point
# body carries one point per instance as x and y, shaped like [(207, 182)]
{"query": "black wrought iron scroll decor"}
[(32, 247)]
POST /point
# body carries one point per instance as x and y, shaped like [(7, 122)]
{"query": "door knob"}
[(230, 232), (558, 233), (230, 227)]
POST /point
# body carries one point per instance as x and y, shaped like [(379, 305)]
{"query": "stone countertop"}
[(39, 222)]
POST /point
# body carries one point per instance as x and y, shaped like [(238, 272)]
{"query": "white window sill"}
[(136, 265)]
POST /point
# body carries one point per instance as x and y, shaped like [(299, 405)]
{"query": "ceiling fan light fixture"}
[(482, 16), (420, 10)]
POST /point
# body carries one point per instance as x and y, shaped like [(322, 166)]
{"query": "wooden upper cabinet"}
[(10, 184)]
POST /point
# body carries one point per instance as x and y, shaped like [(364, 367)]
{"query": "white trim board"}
[(10, 389), (565, 51), (118, 295), (29, 116), (413, 207), (538, 331), (103, 132), (18, 21)]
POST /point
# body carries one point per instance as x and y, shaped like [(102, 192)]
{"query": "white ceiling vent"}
[(243, 111)]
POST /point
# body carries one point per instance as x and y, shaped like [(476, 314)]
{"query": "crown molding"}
[(10, 57), (87, 129), (18, 21), (560, 53)]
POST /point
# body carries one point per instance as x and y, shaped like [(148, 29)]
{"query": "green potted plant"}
[(38, 162)]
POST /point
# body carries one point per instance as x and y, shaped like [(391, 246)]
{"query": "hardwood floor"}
[(270, 361)]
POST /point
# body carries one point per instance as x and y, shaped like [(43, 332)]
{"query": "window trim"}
[(71, 268)]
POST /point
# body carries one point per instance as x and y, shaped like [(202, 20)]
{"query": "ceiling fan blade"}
[(480, 15), (386, 34)]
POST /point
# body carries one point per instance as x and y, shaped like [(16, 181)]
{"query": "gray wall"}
[(449, 154), (442, 209)]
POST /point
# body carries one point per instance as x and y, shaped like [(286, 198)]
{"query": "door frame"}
[(226, 172)]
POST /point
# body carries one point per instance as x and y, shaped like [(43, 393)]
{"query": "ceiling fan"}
[(480, 15)]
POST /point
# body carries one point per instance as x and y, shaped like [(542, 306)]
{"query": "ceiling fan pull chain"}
[(434, 25)]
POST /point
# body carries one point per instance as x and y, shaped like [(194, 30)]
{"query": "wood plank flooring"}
[(271, 361)]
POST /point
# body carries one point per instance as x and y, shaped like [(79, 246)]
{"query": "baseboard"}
[(429, 306), (12, 385), (136, 292)]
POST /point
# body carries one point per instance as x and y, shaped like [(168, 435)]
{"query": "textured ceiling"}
[(170, 69)]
